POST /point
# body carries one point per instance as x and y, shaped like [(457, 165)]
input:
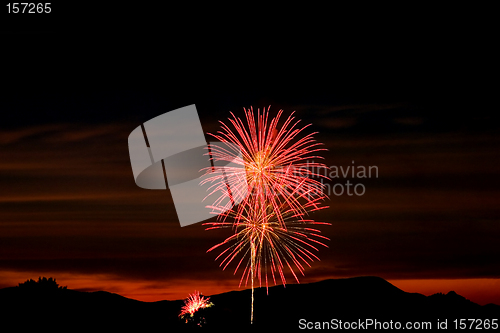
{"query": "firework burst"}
[(273, 164), (194, 303), (272, 181)]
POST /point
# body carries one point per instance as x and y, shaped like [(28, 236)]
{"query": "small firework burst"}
[(194, 303)]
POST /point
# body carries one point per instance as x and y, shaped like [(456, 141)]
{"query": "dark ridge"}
[(352, 299)]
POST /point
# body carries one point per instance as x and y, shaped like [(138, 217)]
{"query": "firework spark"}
[(194, 303)]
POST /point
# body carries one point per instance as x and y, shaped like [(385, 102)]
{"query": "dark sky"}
[(404, 98)]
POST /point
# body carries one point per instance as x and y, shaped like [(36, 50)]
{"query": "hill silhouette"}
[(33, 305)]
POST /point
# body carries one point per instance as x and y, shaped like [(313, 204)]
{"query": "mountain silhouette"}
[(351, 299)]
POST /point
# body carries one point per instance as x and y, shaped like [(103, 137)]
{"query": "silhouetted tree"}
[(42, 284)]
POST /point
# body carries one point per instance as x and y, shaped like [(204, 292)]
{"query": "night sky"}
[(410, 102)]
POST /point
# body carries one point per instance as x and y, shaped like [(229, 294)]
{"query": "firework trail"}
[(273, 183)]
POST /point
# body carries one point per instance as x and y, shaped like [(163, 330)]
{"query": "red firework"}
[(273, 165), (271, 180), (194, 303)]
